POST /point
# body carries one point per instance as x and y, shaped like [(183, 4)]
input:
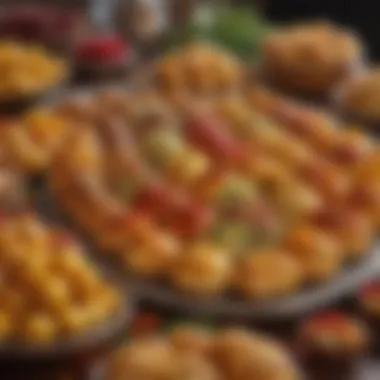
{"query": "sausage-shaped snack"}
[(120, 145)]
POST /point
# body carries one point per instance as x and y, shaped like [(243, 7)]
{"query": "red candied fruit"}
[(158, 197), (103, 48), (330, 216), (327, 321), (137, 224), (192, 220), (212, 136), (371, 290)]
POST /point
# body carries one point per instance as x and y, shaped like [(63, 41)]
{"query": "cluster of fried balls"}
[(27, 70), (49, 289)]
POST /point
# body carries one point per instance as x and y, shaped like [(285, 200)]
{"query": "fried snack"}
[(198, 68), (359, 97), (27, 70), (33, 140), (333, 343), (310, 58), (49, 289), (228, 354)]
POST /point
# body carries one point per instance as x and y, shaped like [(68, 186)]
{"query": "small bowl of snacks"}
[(28, 73), (310, 59), (358, 98), (333, 342), (57, 309), (200, 69)]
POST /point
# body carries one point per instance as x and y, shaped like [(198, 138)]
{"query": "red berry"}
[(103, 48), (214, 138)]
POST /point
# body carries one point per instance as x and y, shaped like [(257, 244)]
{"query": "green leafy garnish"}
[(239, 31)]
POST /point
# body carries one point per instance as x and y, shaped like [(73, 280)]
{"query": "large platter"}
[(224, 306), (162, 295)]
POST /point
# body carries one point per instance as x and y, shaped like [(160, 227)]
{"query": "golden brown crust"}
[(310, 58), (232, 355)]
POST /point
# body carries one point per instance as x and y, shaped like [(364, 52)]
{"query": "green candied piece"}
[(234, 237), (162, 145), (236, 190)]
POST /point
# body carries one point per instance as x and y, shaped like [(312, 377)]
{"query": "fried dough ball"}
[(319, 253), (27, 70), (49, 290), (157, 359), (327, 178), (268, 273), (198, 68), (155, 256), (247, 356), (360, 95), (310, 58), (353, 228), (202, 268)]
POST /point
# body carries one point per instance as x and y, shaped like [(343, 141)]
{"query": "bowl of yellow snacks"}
[(57, 308), (27, 73)]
